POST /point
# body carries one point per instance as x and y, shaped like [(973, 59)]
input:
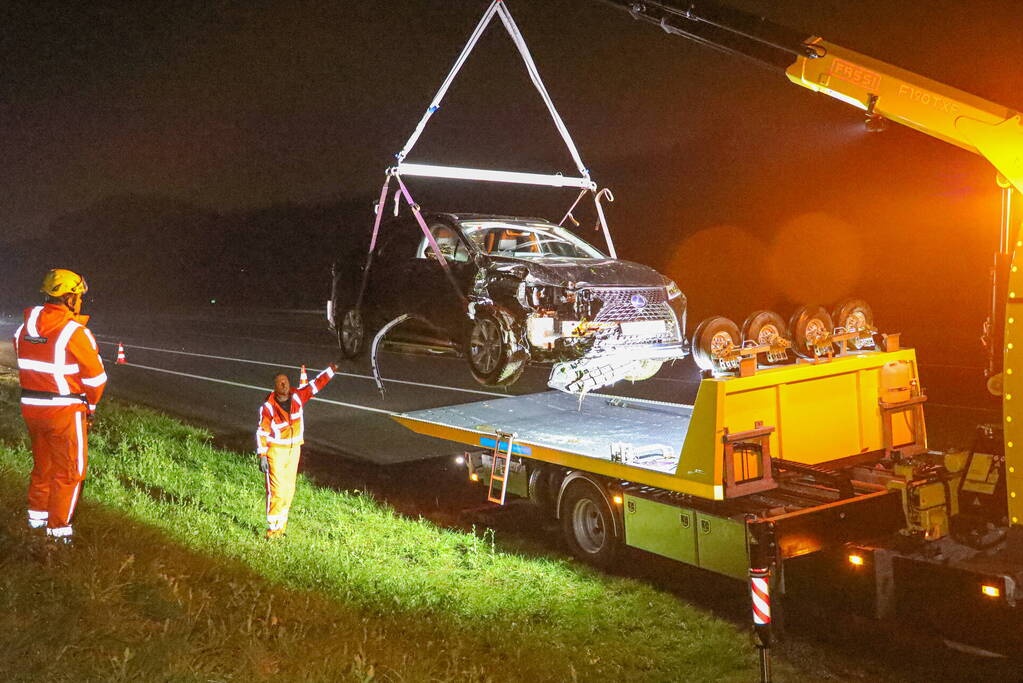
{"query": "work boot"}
[(60, 537)]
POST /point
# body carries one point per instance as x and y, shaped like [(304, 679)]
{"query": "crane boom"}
[(882, 90)]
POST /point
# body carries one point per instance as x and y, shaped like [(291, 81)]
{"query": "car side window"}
[(447, 240)]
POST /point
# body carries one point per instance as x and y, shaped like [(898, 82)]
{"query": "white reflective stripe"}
[(277, 426), (74, 501), (17, 336), (260, 432), (297, 401), (36, 523), (97, 381), (33, 318), (38, 514), (59, 532), (92, 340), (81, 448), (50, 368), (92, 407), (60, 355), (268, 495), (55, 401), (269, 406)]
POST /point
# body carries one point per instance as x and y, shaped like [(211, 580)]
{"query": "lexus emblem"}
[(638, 301)]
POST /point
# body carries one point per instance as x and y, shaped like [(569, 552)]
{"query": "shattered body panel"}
[(529, 291)]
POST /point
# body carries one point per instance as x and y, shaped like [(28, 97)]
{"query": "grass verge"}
[(171, 580)]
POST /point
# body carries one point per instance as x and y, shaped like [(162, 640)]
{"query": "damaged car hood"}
[(553, 270)]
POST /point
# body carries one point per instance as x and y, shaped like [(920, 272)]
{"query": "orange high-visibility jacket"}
[(277, 428), (58, 361)]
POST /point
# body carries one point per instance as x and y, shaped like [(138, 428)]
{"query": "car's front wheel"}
[(489, 352), (351, 333)]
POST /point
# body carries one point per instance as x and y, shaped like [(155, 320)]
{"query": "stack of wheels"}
[(710, 338), (808, 324), (812, 322)]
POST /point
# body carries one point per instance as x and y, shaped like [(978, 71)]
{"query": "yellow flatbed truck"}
[(813, 478), (819, 467)]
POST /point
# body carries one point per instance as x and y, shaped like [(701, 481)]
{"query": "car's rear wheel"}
[(489, 353), (351, 333)]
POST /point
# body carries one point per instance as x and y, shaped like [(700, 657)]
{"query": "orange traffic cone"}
[(303, 379), (121, 360)]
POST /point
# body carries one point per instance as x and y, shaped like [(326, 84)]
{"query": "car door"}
[(389, 276), (433, 296)]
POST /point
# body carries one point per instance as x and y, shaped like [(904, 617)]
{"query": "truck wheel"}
[(763, 327), (807, 324), (854, 315), (351, 333), (541, 490), (588, 525), (712, 336), (488, 354)]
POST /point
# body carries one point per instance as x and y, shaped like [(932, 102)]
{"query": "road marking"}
[(252, 386), (296, 367)]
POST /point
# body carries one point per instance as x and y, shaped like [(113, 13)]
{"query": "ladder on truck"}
[(500, 466)]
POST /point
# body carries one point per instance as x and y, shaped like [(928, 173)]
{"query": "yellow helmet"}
[(60, 281)]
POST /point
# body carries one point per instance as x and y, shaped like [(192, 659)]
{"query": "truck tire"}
[(542, 490), (806, 323), (710, 336), (587, 522)]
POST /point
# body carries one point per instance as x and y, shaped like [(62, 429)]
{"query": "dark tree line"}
[(152, 251)]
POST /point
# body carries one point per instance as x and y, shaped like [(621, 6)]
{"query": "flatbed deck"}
[(598, 427)]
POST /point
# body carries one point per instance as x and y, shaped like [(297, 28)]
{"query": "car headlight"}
[(673, 291)]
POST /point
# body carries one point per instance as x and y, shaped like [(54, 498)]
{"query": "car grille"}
[(618, 304)]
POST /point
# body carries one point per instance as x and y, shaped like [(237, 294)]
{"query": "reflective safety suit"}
[(62, 380), (280, 437)]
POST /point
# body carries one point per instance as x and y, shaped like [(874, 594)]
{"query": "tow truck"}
[(813, 477)]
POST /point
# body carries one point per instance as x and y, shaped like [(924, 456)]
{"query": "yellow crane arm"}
[(882, 90), (991, 130)]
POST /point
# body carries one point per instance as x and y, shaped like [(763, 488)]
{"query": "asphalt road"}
[(216, 367)]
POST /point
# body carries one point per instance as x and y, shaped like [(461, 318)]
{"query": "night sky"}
[(749, 191)]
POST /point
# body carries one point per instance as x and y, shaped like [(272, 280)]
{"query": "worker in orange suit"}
[(279, 440), (62, 380)]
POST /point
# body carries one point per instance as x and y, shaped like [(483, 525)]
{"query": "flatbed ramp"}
[(641, 435)]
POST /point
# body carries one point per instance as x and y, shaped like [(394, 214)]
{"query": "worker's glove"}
[(264, 464), (90, 418)]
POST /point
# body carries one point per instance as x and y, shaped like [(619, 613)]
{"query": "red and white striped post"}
[(760, 594), (760, 553)]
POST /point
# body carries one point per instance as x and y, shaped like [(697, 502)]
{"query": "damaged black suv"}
[(510, 290)]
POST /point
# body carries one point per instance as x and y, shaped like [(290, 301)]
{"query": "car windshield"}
[(526, 240)]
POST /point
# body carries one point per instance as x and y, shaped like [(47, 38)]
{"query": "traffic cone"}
[(121, 360), (303, 379)]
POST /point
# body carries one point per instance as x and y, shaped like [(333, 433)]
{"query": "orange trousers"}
[(280, 483), (60, 451)]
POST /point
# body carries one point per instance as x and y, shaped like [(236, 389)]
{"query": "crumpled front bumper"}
[(609, 364)]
